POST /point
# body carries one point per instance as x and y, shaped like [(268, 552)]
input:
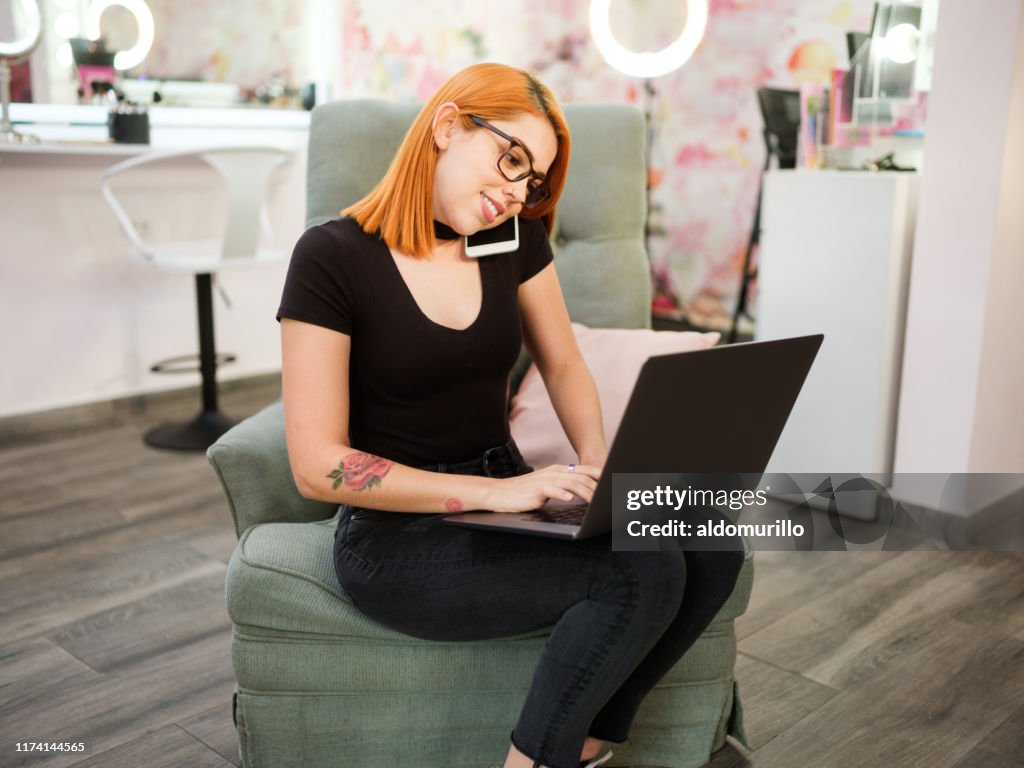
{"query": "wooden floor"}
[(113, 630)]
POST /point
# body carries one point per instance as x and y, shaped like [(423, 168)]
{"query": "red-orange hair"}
[(401, 206)]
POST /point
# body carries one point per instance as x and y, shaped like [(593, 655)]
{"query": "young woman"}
[(396, 353)]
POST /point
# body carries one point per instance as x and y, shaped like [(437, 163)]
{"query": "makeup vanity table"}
[(83, 319)]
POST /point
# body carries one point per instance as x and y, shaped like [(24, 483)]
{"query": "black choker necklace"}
[(444, 232)]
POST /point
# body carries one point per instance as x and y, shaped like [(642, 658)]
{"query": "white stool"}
[(246, 171)]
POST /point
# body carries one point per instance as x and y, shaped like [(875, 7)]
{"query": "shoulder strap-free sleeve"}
[(318, 288), (534, 248)]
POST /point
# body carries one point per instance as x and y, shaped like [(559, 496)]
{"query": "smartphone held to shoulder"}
[(503, 238)]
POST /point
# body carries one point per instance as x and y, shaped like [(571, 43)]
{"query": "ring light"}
[(143, 18), (647, 65), (15, 50)]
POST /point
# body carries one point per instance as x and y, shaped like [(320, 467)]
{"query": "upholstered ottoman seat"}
[(318, 680)]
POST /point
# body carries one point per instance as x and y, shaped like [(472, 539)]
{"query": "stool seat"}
[(204, 256)]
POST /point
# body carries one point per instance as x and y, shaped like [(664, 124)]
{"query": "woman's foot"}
[(591, 748), (603, 755), (516, 759), (600, 759)]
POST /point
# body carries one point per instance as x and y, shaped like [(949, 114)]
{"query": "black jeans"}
[(621, 619)]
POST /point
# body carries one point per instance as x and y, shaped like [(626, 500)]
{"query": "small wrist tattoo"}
[(360, 471), (453, 505)]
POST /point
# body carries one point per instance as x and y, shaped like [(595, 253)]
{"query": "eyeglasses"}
[(513, 161)]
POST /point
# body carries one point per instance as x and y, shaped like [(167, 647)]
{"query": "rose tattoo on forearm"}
[(360, 471)]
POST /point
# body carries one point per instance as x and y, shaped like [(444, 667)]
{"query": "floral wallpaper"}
[(708, 151), (250, 42)]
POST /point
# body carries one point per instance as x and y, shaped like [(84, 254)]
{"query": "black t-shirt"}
[(420, 392)]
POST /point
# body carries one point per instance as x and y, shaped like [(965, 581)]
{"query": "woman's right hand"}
[(532, 491)]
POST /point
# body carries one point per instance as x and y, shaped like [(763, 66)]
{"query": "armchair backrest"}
[(599, 232), (599, 255)]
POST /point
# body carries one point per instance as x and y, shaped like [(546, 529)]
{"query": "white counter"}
[(178, 117), (83, 129)]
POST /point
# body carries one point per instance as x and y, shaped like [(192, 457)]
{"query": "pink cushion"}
[(614, 356)]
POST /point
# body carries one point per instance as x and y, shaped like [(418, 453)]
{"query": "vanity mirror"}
[(199, 53), (18, 39)]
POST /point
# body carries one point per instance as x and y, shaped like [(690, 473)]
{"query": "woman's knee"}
[(652, 581), (716, 573)]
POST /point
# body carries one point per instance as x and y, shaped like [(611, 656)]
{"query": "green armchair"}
[(320, 684)]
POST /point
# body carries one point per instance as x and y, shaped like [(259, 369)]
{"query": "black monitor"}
[(854, 42), (780, 109)]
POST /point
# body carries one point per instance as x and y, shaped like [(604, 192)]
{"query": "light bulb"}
[(901, 43), (66, 26)]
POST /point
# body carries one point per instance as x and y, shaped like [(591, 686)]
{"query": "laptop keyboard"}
[(568, 515)]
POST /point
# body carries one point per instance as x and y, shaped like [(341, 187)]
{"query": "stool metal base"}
[(203, 431), (196, 435)]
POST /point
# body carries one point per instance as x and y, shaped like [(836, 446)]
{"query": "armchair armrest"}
[(251, 460)]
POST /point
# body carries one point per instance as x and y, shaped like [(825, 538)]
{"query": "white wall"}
[(962, 402), (997, 443)]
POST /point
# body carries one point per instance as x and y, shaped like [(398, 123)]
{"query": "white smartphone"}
[(503, 238)]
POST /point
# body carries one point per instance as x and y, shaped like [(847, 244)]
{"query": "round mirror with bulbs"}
[(20, 33)]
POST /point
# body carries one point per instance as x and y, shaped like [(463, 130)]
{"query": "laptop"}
[(718, 410)]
